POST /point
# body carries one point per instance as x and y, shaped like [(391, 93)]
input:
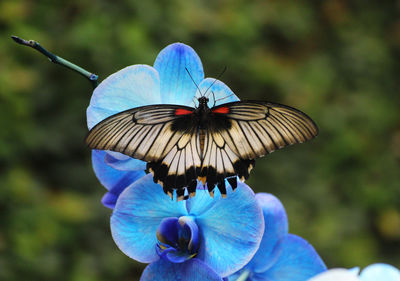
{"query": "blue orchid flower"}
[(202, 238), (281, 256), (166, 82), (373, 272)]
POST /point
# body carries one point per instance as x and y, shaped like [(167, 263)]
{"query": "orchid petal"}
[(201, 202), (194, 270), (230, 229), (190, 231), (218, 92), (173, 64), (168, 231), (335, 274), (109, 200), (380, 271), (137, 215), (354, 270), (133, 86), (119, 162), (113, 180), (297, 261), (177, 257), (276, 227)]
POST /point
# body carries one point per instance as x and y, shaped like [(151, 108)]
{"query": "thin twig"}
[(58, 60)]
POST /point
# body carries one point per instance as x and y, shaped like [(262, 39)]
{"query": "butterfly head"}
[(202, 101)]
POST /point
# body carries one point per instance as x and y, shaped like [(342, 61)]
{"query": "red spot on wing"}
[(222, 110), (181, 111)]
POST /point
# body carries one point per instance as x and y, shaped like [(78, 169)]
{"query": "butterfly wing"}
[(240, 132), (162, 135), (258, 128)]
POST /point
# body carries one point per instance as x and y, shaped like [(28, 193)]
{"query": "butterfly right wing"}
[(240, 132), (258, 128)]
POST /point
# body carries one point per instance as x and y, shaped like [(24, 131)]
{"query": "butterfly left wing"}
[(146, 133), (162, 135)]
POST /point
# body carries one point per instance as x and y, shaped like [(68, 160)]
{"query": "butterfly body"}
[(183, 144)]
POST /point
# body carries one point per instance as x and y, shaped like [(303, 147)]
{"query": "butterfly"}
[(184, 144)]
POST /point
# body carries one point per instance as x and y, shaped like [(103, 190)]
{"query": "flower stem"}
[(243, 276), (58, 60)]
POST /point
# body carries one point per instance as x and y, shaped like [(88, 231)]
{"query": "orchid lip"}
[(178, 239)]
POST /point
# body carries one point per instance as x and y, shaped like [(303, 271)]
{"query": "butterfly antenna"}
[(216, 79), (225, 97), (194, 101), (214, 98), (193, 81)]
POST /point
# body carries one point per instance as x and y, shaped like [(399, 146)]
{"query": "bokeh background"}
[(337, 60)]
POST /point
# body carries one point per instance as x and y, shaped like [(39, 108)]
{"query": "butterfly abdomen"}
[(202, 137)]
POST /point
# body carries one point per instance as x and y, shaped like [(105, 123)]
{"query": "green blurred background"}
[(337, 60)]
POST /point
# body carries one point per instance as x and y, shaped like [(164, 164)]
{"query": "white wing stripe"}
[(118, 129), (142, 150), (287, 135), (181, 165), (173, 169), (136, 140), (130, 132), (253, 139), (300, 124), (98, 134), (220, 166), (266, 138), (240, 141), (273, 133), (290, 126)]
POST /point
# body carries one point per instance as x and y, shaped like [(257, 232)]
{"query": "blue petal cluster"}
[(223, 234), (203, 238)]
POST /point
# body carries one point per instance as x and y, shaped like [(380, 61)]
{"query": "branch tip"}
[(56, 59), (17, 39)]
